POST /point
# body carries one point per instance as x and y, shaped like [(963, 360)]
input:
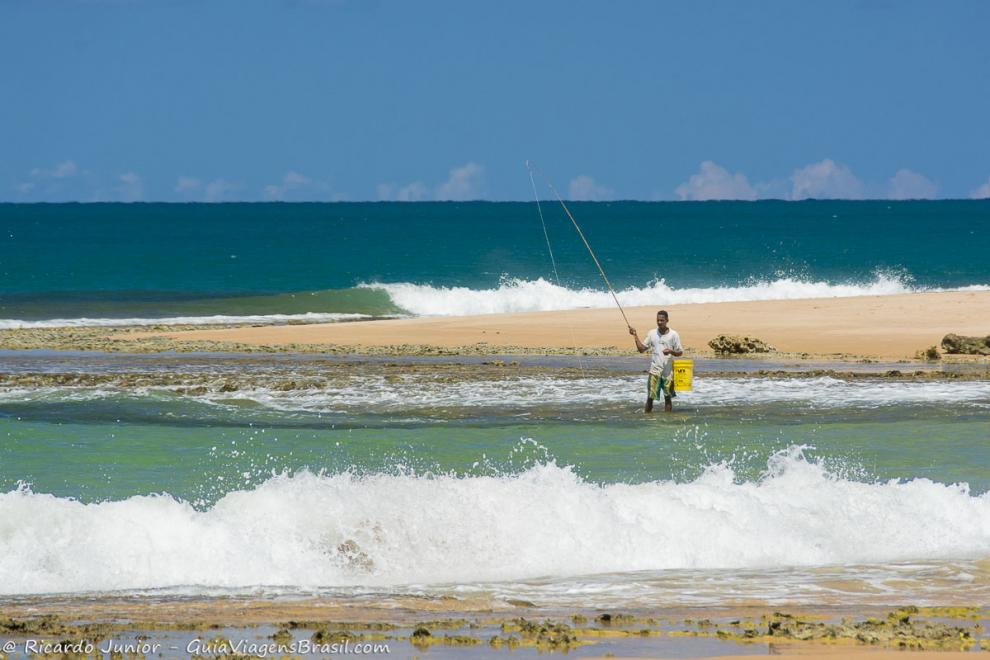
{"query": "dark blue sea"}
[(86, 263)]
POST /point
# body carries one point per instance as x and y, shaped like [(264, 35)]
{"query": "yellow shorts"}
[(658, 386)]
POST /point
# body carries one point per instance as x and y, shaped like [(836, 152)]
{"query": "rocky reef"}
[(736, 345), (958, 344)]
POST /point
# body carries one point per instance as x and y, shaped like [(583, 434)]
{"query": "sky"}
[(291, 100)]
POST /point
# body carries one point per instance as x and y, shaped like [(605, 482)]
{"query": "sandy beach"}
[(889, 327)]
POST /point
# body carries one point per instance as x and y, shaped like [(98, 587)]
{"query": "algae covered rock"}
[(735, 345), (546, 636), (958, 344), (898, 629)]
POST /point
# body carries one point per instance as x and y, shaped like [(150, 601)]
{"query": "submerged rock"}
[(733, 344), (958, 344), (896, 630), (354, 556), (546, 636), (327, 636)]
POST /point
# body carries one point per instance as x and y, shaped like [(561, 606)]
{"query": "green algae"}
[(609, 619), (547, 636), (341, 625), (898, 630), (909, 628), (327, 636), (422, 638)]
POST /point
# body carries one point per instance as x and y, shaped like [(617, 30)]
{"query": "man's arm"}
[(640, 346), (676, 350)]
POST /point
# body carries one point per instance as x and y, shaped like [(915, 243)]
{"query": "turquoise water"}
[(249, 259), (115, 444), (547, 485)]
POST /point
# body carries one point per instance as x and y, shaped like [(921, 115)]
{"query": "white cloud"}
[(825, 180), (715, 182), (219, 190), (583, 188), (63, 170), (49, 183), (413, 192), (464, 183), (186, 185), (296, 186), (910, 185), (130, 188), (384, 192), (291, 181), (981, 192)]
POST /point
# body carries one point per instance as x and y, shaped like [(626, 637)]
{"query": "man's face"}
[(661, 322)]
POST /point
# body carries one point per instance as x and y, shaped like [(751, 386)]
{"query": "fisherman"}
[(665, 344)]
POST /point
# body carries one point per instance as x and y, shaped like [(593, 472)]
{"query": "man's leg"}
[(667, 405), (649, 405)]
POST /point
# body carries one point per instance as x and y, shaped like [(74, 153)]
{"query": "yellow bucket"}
[(683, 372)]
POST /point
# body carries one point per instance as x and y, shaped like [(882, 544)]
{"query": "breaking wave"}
[(216, 319), (338, 531), (517, 295)]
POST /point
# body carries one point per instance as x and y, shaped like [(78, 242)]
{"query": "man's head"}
[(662, 318)]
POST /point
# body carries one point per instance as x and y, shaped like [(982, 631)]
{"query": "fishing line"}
[(533, 168), (553, 262), (539, 208)]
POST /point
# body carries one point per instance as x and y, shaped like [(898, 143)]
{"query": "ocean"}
[(287, 475), (93, 264)]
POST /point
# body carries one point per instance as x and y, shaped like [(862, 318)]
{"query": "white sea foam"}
[(516, 295), (415, 393), (218, 319), (408, 393), (317, 531)]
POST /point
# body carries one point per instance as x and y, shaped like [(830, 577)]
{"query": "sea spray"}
[(325, 531), (519, 295)]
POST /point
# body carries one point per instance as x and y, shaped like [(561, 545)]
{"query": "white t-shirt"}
[(660, 364)]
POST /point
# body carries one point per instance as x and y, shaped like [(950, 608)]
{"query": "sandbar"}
[(883, 327)]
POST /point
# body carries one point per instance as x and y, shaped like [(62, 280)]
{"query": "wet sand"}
[(480, 627)]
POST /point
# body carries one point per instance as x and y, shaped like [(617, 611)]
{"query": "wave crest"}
[(216, 319), (326, 531), (518, 295)]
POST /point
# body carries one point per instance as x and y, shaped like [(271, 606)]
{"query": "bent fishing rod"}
[(533, 168)]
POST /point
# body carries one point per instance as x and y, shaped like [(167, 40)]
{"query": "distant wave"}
[(218, 319), (380, 299), (320, 531), (517, 295)]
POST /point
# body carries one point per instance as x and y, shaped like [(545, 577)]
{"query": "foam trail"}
[(326, 531), (525, 393), (517, 295), (218, 319), (414, 394)]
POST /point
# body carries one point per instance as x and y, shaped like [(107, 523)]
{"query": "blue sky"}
[(188, 100)]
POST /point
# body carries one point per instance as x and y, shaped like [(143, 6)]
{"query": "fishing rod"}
[(533, 168)]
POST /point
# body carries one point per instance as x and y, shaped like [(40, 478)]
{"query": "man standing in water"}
[(666, 345)]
